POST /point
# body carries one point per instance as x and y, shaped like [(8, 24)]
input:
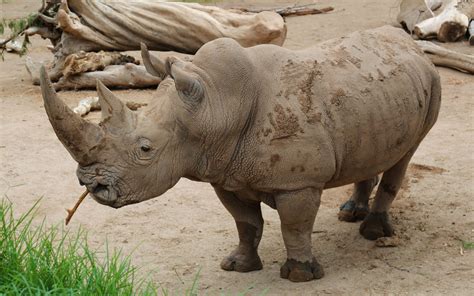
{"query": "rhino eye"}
[(145, 148)]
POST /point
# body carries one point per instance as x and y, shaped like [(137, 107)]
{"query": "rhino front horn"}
[(79, 136)]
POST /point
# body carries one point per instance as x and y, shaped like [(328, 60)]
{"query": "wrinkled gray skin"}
[(266, 124)]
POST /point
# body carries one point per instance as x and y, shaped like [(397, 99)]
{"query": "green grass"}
[(467, 245), (48, 260), (45, 260)]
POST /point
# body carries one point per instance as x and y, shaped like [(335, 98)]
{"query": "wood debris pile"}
[(95, 30)]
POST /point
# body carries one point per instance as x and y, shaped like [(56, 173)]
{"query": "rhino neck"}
[(224, 153)]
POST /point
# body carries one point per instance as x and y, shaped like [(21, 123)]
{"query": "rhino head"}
[(131, 156)]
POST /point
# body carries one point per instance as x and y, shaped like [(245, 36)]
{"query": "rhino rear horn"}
[(154, 65), (79, 136), (187, 84), (115, 114)]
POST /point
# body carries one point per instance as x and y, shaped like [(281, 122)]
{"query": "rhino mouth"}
[(104, 194)]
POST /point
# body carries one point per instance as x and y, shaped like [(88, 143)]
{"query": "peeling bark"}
[(93, 61)]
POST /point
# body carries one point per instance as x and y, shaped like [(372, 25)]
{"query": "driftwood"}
[(293, 10), (417, 16), (86, 105), (412, 12), (183, 27), (443, 57), (303, 11), (119, 25), (92, 104), (449, 26), (114, 76)]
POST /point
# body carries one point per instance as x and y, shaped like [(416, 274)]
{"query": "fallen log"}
[(92, 104), (450, 25), (119, 25), (113, 76), (412, 12), (443, 57), (183, 27), (87, 105)]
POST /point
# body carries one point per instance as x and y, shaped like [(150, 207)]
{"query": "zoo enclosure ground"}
[(187, 228)]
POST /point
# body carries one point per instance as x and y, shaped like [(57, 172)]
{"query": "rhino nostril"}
[(81, 183)]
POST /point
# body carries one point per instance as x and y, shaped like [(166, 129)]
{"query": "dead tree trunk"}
[(120, 25)]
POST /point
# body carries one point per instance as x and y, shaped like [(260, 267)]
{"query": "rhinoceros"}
[(266, 124)]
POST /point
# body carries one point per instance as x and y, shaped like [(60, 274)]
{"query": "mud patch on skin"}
[(274, 159), (284, 122), (305, 92), (343, 55), (336, 98), (298, 168), (267, 131), (299, 79)]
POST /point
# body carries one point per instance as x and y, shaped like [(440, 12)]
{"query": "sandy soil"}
[(187, 229)]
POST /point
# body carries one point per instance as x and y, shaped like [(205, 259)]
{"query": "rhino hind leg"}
[(297, 211), (377, 223), (249, 222), (357, 207)]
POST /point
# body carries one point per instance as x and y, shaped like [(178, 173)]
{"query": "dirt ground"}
[(187, 229)]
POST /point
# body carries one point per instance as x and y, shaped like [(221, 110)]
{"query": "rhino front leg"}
[(297, 210), (357, 207), (377, 223), (249, 221)]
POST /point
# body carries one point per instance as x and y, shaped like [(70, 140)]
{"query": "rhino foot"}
[(376, 225), (297, 271), (350, 212), (241, 261)]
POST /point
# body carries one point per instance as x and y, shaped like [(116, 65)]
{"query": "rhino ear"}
[(189, 87), (114, 112), (153, 65)]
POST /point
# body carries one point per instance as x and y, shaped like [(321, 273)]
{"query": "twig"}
[(70, 212), (304, 11), (396, 267), (178, 276)]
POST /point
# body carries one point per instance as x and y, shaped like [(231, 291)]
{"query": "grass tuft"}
[(467, 245), (49, 260)]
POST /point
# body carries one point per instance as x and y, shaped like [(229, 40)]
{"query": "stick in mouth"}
[(70, 212)]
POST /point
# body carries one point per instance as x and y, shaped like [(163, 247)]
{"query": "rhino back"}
[(337, 113)]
